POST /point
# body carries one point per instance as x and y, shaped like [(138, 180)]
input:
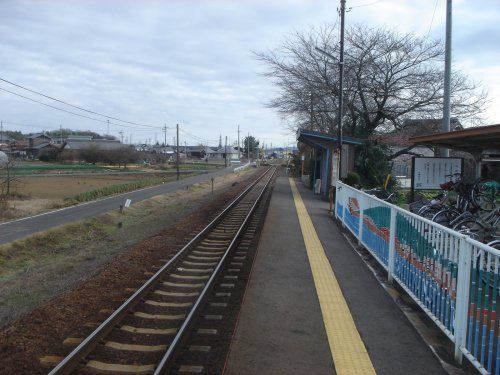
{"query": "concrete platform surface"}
[(281, 328)]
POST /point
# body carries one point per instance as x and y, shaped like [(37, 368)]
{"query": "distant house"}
[(399, 140), (4, 139), (37, 139), (37, 143), (220, 153)]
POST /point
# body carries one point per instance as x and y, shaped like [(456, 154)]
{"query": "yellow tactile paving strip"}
[(348, 350)]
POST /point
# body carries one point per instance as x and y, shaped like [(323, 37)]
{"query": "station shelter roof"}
[(323, 140), (477, 140)]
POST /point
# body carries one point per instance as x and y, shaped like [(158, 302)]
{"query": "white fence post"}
[(343, 204), (462, 303), (337, 193), (361, 209), (392, 245)]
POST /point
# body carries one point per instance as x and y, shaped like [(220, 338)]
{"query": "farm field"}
[(34, 195), (68, 186)]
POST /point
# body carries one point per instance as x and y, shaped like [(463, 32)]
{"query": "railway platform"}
[(314, 307)]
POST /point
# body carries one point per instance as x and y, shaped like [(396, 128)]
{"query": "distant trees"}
[(389, 77), (121, 156), (253, 144)]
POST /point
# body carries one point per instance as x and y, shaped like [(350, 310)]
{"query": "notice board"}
[(428, 172)]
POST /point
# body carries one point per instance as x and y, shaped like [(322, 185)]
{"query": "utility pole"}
[(60, 134), (177, 151), (130, 139), (225, 153), (121, 134), (107, 131), (447, 77), (185, 149), (239, 156), (341, 81), (165, 133), (248, 147), (1, 131)]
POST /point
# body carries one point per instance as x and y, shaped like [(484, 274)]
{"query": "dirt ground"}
[(35, 195), (75, 308)]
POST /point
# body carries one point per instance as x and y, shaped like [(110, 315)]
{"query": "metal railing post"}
[(392, 245), (343, 205), (462, 303), (337, 194), (361, 202)]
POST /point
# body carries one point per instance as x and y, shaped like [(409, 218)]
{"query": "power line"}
[(198, 138), (74, 106), (432, 19), (365, 5), (66, 111)]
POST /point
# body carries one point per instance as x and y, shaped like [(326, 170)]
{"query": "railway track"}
[(146, 333)]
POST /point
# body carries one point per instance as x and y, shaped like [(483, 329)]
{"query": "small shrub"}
[(353, 179)]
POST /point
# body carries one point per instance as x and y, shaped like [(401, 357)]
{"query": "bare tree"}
[(389, 77), (7, 179)]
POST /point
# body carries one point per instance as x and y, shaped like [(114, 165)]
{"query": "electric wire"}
[(365, 5), (75, 106), (432, 19), (70, 112)]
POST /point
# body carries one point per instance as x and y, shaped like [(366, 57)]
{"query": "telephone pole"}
[(239, 156), (60, 135), (177, 151), (107, 131), (121, 134), (447, 77), (225, 153), (165, 133), (341, 81), (248, 147), (1, 131)]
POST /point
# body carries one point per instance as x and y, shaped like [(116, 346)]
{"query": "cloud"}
[(187, 62)]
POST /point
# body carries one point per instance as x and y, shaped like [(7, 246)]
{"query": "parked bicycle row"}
[(472, 209)]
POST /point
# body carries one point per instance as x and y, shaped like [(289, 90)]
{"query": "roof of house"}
[(44, 145), (79, 137), (38, 135), (225, 150)]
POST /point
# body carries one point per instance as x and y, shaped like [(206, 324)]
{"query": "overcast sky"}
[(190, 61)]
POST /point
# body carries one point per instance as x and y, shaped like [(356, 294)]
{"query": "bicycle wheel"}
[(484, 195), (444, 216), (495, 244), (471, 228), (429, 211)]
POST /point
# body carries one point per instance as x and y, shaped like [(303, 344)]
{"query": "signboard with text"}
[(428, 172)]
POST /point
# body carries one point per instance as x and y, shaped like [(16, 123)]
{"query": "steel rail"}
[(166, 362), (72, 360)]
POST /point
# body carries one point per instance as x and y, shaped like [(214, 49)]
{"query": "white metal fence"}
[(239, 169), (452, 277)]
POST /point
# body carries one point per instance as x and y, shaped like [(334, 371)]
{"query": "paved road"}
[(14, 230)]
